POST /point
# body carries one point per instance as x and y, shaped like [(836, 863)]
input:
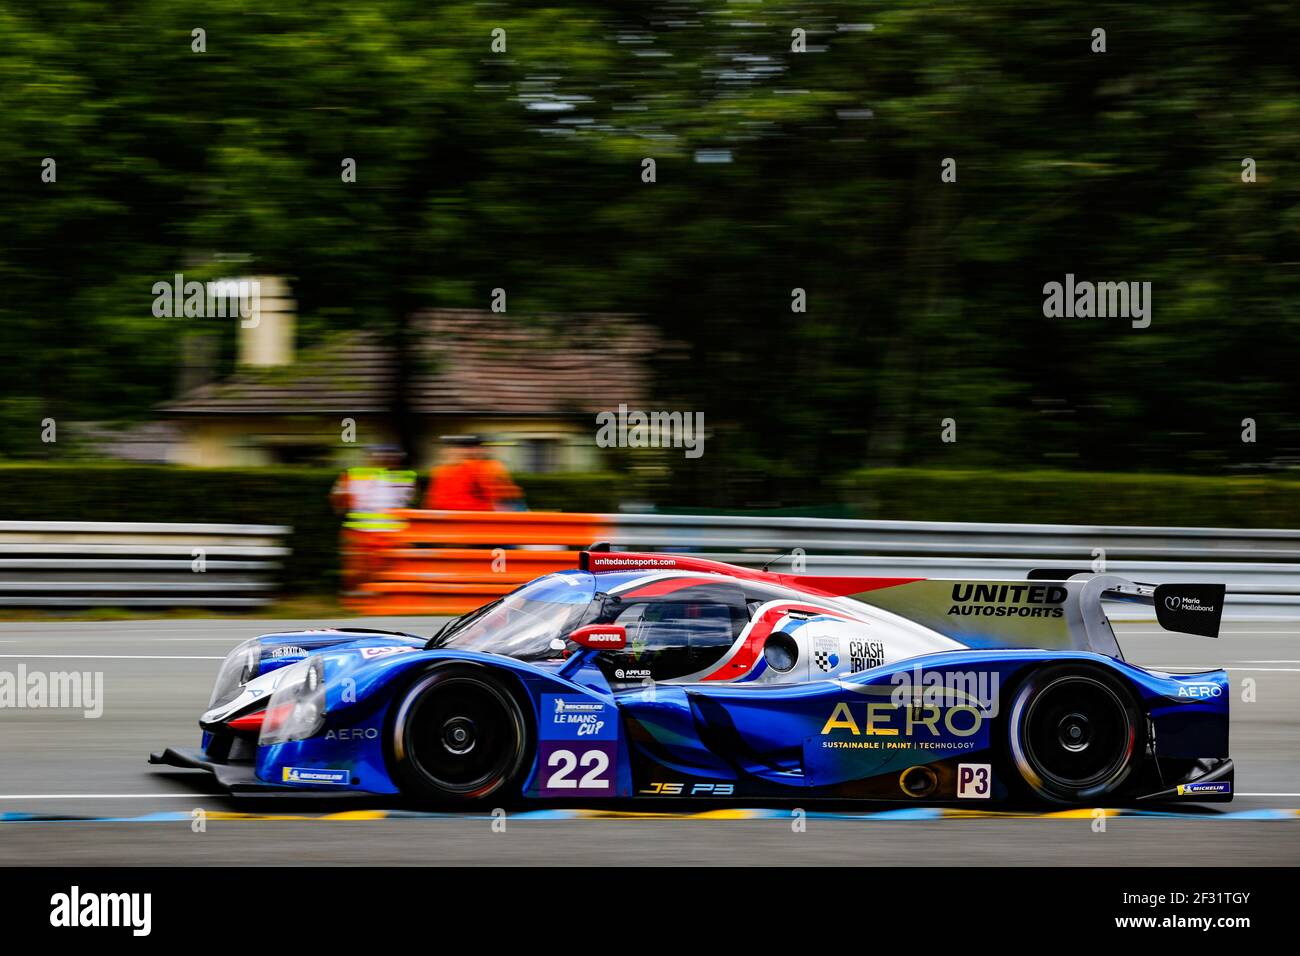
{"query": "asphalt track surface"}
[(157, 676)]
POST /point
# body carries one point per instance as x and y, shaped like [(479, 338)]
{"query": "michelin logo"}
[(310, 775), (577, 719), (1192, 789), (563, 706)]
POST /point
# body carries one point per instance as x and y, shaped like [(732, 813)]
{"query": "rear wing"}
[(1053, 612), (1184, 608)]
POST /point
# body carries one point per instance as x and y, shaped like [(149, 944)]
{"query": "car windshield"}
[(525, 623)]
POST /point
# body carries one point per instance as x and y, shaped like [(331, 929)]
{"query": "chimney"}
[(266, 338)]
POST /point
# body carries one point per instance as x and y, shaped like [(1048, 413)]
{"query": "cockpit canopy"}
[(674, 633)]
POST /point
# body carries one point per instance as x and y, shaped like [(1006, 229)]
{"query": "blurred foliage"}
[(1061, 497), (574, 491), (522, 170)]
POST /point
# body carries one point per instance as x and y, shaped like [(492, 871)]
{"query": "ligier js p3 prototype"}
[(667, 676)]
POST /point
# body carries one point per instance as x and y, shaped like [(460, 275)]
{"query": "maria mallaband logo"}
[(75, 909), (1008, 600), (1177, 602)]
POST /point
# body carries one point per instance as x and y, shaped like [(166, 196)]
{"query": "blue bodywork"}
[(842, 738)]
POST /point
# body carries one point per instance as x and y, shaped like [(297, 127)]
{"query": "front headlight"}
[(297, 708), (239, 667)]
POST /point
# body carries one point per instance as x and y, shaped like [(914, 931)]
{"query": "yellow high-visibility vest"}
[(373, 493)]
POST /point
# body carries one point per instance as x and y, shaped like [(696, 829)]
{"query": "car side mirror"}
[(601, 637)]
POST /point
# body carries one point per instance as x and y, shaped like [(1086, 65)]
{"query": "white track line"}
[(1197, 668), (104, 796), (113, 657), (1130, 632), (208, 640), (214, 796)]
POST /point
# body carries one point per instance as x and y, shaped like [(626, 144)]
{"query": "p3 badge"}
[(974, 781)]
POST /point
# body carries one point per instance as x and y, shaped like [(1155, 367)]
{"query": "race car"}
[(671, 677)]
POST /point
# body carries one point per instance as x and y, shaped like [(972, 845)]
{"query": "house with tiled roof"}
[(529, 385)]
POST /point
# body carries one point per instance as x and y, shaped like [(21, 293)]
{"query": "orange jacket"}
[(478, 484)]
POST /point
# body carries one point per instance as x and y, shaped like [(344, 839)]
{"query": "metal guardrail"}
[(130, 564), (446, 562), (449, 562)]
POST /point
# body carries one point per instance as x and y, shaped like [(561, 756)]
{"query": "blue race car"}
[(668, 676)]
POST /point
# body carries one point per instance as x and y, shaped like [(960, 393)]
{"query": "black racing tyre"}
[(1075, 733), (458, 735)]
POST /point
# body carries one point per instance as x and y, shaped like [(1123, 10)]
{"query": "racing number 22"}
[(567, 762)]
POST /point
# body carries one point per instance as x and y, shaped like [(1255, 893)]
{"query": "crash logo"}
[(864, 655)]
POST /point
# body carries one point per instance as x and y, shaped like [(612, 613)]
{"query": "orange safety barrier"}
[(450, 562)]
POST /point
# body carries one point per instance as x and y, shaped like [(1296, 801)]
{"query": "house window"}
[(300, 454), (541, 455)]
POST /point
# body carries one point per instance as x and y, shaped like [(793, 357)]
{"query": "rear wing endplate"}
[(1184, 608)]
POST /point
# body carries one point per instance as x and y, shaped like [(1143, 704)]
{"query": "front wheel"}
[(459, 735), (1075, 733)]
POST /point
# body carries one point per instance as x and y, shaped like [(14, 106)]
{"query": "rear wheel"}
[(459, 735), (1075, 733)]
